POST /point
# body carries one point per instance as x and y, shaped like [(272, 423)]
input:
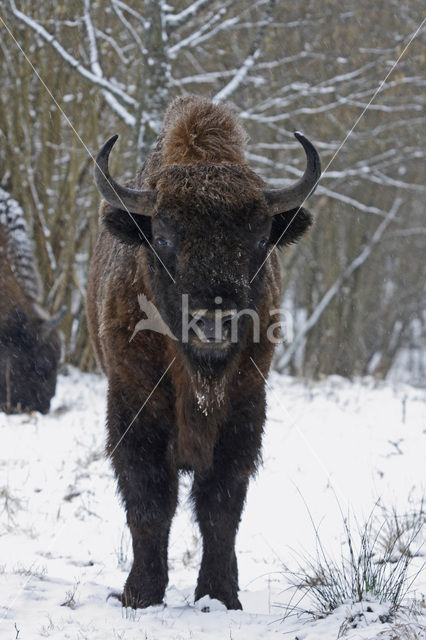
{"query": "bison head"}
[(210, 228)]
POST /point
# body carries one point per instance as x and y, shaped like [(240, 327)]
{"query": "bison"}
[(29, 343), (194, 234)]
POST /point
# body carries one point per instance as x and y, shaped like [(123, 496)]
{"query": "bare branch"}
[(132, 12), (203, 32), (73, 62), (97, 69), (117, 6), (118, 50), (248, 63), (337, 285), (176, 19)]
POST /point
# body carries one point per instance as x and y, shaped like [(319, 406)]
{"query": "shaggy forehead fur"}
[(226, 188), (199, 162), (199, 132)]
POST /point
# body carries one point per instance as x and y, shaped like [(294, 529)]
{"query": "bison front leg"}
[(219, 495), (148, 485), (219, 500)]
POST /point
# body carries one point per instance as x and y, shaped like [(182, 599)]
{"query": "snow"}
[(330, 447)]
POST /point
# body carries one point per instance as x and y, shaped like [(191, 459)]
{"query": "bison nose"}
[(212, 326), (209, 329)]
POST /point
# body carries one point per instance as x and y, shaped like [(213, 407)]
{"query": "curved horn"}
[(56, 319), (280, 200), (134, 201)]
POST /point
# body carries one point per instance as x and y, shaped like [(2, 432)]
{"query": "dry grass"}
[(11, 504), (70, 597), (374, 567), (33, 571), (397, 530), (404, 631)]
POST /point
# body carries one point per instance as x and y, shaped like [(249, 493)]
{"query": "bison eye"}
[(262, 243), (161, 241)]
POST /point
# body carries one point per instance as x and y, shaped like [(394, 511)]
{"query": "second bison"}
[(30, 346)]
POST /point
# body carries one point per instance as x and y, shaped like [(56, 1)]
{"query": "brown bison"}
[(189, 235), (29, 343)]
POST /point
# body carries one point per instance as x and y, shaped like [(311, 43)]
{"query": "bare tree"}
[(113, 66)]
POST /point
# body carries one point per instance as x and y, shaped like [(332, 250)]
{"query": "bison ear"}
[(290, 226), (129, 228)]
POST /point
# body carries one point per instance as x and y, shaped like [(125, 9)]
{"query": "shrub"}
[(374, 566)]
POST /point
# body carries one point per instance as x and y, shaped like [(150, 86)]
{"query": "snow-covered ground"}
[(329, 447)]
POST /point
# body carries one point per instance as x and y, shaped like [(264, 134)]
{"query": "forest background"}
[(350, 75)]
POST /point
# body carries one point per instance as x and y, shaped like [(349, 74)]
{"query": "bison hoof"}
[(232, 603), (139, 598), (230, 600)]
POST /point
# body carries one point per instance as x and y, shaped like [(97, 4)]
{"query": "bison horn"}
[(280, 200), (56, 319), (132, 200)]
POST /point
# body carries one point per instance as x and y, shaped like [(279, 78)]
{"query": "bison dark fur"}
[(199, 222), (29, 344)]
